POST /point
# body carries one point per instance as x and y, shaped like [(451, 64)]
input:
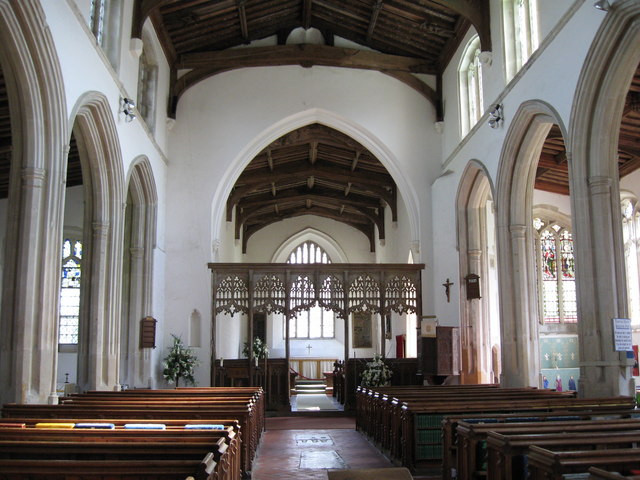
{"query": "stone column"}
[(601, 289), (519, 333)]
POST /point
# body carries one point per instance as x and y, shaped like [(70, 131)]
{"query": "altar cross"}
[(309, 347)]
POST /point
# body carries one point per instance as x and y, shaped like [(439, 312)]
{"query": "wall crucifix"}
[(447, 291)]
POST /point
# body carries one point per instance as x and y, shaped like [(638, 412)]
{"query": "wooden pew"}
[(178, 406), (486, 423), (507, 454), (596, 473), (545, 464), (472, 437), (214, 452)]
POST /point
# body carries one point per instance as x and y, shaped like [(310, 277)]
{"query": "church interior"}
[(225, 214)]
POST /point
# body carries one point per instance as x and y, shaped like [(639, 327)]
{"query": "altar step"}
[(310, 387)]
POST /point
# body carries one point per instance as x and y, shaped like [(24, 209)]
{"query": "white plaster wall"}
[(263, 244), (631, 183), (561, 202)]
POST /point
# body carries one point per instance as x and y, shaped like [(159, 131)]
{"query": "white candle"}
[(221, 362), (256, 359)]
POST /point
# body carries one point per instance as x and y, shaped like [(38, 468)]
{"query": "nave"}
[(305, 447)]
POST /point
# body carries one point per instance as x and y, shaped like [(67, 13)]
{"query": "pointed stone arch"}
[(516, 267), (34, 228), (139, 243), (474, 192), (298, 120), (596, 116), (103, 179)]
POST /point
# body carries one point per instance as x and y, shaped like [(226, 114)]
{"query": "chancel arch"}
[(480, 321), (36, 155), (598, 109), (517, 174), (219, 205)]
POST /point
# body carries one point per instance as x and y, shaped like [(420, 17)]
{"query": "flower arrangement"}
[(260, 349), (376, 374), (179, 363)]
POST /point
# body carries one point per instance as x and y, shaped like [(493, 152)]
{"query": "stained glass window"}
[(315, 322), (630, 232), (555, 262), (70, 291)]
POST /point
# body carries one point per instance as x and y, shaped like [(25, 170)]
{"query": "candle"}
[(221, 362), (256, 359)]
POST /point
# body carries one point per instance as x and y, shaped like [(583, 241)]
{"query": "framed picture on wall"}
[(361, 330)]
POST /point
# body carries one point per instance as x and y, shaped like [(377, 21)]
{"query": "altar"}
[(312, 368)]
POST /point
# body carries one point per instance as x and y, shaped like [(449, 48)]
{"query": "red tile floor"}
[(305, 447)]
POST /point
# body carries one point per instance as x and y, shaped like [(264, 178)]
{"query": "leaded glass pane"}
[(548, 249), (551, 313), (70, 292), (328, 325), (315, 322)]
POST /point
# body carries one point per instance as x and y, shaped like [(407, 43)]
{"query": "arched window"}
[(314, 323), (556, 273), (105, 21), (70, 291), (470, 81), (147, 86), (520, 21), (631, 234)]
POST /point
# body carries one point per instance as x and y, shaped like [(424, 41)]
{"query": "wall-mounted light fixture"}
[(128, 109), (603, 5), (495, 116)]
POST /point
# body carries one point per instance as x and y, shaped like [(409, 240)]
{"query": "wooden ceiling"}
[(404, 37), (314, 170)]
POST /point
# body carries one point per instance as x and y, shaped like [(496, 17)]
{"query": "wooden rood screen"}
[(284, 288)]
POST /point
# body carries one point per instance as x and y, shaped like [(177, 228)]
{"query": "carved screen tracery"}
[(364, 294), (331, 295), (400, 295), (269, 295), (303, 294), (231, 296)]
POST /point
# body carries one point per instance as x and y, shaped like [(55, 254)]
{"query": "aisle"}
[(307, 451)]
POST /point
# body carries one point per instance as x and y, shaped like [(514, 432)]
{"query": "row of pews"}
[(484, 431), (183, 433)]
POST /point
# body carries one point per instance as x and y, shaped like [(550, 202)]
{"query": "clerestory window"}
[(470, 83), (520, 24)]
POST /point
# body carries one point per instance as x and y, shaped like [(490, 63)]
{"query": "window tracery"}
[(631, 234), (470, 83), (70, 292), (520, 23), (556, 272)]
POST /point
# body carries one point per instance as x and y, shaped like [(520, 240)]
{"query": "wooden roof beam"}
[(477, 12), (374, 19), (306, 14), (305, 55), (242, 14)]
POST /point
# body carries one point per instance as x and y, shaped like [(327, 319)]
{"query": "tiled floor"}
[(308, 453)]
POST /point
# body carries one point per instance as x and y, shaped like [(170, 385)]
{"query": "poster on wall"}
[(361, 330)]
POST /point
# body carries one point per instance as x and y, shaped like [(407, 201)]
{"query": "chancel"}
[(266, 200)]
